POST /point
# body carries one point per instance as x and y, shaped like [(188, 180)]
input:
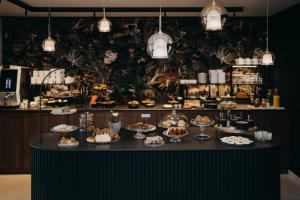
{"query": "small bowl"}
[(242, 125)]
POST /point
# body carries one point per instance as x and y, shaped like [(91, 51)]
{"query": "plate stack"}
[(221, 76), (202, 78), (213, 76)]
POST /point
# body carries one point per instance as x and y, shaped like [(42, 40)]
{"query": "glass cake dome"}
[(174, 120)]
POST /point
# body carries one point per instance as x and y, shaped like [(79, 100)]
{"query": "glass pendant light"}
[(49, 43), (104, 24), (160, 45), (213, 17), (268, 57)]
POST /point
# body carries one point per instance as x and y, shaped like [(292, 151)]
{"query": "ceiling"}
[(251, 7)]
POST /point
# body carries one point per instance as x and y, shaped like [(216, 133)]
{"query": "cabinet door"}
[(11, 140)]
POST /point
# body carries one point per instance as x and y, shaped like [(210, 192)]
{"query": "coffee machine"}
[(14, 85)]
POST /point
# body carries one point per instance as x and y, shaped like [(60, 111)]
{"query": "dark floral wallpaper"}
[(120, 58)]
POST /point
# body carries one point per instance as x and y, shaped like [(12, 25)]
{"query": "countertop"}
[(157, 107), (128, 143)]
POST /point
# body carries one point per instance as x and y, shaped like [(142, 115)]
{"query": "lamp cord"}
[(49, 19), (267, 39), (160, 19)]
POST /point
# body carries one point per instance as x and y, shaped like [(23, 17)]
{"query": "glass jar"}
[(86, 122), (114, 122)]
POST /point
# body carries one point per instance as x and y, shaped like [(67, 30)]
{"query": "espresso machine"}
[(14, 85)]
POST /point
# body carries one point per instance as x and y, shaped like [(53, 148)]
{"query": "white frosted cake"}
[(103, 138)]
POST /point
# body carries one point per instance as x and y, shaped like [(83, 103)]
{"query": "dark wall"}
[(82, 47), (285, 43)]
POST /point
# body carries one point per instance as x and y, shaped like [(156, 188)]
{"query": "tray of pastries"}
[(68, 143), (141, 127), (238, 141), (154, 141), (103, 136)]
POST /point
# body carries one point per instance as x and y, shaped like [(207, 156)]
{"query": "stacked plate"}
[(213, 76), (202, 78)]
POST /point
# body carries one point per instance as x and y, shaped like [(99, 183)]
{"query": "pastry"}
[(103, 138), (90, 139), (177, 131), (181, 123), (65, 142), (204, 119), (153, 140)]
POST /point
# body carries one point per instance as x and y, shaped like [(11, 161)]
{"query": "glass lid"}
[(174, 119)]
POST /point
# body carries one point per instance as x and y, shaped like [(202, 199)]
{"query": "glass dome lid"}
[(160, 46), (174, 119)]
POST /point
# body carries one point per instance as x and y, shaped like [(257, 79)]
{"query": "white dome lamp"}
[(104, 24), (160, 45), (49, 43), (268, 57), (213, 17)]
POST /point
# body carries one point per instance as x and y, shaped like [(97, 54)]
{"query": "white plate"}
[(161, 143), (68, 129), (76, 144), (72, 111), (150, 129)]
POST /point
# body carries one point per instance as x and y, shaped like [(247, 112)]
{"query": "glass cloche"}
[(174, 120)]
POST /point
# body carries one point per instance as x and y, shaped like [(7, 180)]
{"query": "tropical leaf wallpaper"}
[(120, 60)]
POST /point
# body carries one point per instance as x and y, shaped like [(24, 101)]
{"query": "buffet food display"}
[(103, 136), (238, 141), (68, 143)]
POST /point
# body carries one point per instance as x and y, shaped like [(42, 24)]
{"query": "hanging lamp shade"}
[(49, 44), (268, 58), (160, 45), (104, 24), (213, 17)]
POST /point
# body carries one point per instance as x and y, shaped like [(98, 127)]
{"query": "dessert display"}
[(100, 86), (175, 133), (61, 91), (263, 135), (154, 141), (236, 141), (202, 122), (63, 111), (68, 143), (133, 104), (227, 105), (191, 104), (63, 128), (103, 136), (141, 127), (148, 103), (174, 120)]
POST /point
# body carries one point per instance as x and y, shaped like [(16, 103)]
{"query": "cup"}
[(69, 80), (240, 61), (248, 61), (33, 80), (60, 73), (39, 80), (35, 73), (59, 80), (254, 61)]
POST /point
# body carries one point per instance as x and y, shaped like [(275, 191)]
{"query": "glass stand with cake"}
[(202, 122)]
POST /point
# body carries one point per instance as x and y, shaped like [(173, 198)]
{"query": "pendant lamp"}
[(213, 17), (268, 57), (104, 24), (49, 43), (160, 45)]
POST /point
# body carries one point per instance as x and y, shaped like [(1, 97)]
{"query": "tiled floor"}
[(17, 187)]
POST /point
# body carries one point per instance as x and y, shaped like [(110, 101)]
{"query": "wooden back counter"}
[(18, 126)]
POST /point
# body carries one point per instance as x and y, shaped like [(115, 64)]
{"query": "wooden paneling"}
[(18, 127)]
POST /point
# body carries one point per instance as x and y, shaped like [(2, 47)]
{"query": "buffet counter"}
[(18, 126), (128, 169)]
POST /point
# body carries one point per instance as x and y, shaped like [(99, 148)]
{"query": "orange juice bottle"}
[(276, 99)]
